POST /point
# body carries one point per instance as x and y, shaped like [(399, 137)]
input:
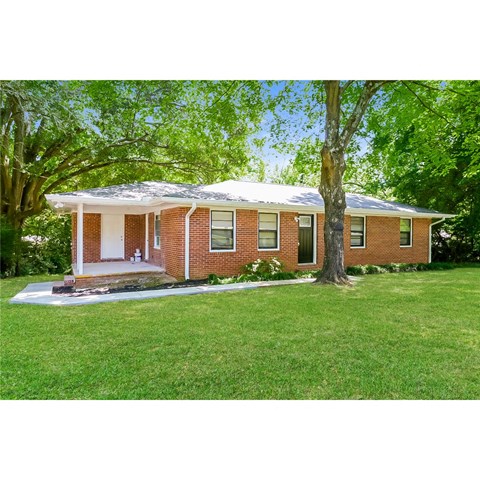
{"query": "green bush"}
[(264, 267), (43, 246), (213, 279), (7, 246), (397, 267)]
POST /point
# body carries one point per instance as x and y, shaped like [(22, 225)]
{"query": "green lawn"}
[(393, 336)]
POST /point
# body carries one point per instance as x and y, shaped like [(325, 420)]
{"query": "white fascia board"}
[(395, 213), (244, 204), (178, 201), (303, 208), (95, 201)]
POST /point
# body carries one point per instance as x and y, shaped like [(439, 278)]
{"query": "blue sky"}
[(295, 122)]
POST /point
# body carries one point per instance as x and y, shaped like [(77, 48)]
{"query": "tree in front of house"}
[(335, 109), (55, 133)]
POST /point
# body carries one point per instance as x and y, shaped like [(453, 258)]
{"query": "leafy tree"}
[(425, 150), (418, 143), (337, 108), (54, 133)]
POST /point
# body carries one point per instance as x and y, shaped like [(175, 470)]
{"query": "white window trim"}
[(315, 237), (364, 232), (220, 209), (159, 246), (278, 231), (411, 232)]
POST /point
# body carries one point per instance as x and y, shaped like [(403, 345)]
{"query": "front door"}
[(305, 239), (113, 229)]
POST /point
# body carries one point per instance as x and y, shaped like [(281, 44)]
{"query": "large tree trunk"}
[(331, 189), (336, 142)]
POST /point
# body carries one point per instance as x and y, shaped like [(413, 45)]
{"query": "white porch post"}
[(80, 238), (146, 237)]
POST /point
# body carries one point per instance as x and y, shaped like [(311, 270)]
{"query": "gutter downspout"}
[(187, 240), (430, 238)]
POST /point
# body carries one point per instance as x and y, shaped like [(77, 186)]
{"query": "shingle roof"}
[(269, 193), (131, 191), (236, 191)]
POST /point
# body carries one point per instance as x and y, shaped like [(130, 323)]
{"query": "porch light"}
[(59, 205)]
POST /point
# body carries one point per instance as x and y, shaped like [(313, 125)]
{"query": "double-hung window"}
[(268, 231), (222, 230), (156, 234), (405, 232), (357, 232)]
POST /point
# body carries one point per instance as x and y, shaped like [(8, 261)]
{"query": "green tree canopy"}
[(53, 132)]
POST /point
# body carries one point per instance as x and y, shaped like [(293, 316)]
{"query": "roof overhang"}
[(70, 202)]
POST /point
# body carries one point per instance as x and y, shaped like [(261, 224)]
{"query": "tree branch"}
[(369, 89), (345, 86), (424, 104), (96, 166), (437, 89)]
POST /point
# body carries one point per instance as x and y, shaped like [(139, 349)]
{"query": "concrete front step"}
[(122, 279), (60, 287)]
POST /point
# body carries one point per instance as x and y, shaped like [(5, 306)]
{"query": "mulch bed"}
[(133, 288)]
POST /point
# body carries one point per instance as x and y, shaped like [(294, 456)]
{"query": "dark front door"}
[(305, 239)]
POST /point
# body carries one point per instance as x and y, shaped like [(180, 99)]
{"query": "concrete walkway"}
[(41, 293)]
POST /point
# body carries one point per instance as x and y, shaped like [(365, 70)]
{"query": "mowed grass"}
[(392, 336)]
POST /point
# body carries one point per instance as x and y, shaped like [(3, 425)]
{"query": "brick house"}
[(190, 231)]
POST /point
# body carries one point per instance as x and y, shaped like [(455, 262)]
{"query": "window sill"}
[(221, 251), (268, 249), (406, 246), (357, 248)]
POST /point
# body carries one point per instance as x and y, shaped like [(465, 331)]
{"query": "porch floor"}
[(117, 268)]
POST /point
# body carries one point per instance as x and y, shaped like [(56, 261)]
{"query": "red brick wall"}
[(382, 242), (171, 253), (172, 239), (134, 235), (92, 226), (203, 262), (155, 255)]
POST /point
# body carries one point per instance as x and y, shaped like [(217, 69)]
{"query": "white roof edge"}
[(302, 208), (96, 201), (52, 198)]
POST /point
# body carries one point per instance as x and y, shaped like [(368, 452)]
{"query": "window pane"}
[(356, 224), (356, 241), (267, 221), (222, 219), (267, 239), (222, 239), (404, 238), (157, 231), (304, 221), (357, 228), (405, 224)]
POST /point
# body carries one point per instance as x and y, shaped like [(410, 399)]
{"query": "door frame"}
[(314, 237), (102, 256)]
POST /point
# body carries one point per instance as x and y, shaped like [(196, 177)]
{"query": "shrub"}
[(46, 246), (355, 270), (213, 279), (397, 267), (283, 276), (264, 267)]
